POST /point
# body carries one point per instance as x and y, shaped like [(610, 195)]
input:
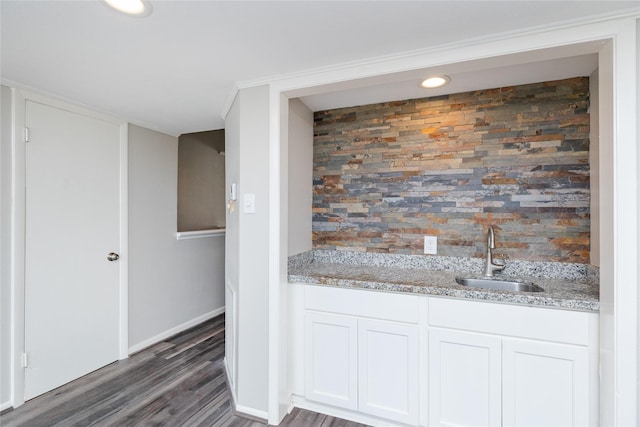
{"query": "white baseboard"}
[(230, 383), (177, 329), (5, 405), (345, 414), (243, 410), (262, 415)]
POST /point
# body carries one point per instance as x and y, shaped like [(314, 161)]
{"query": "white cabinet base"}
[(544, 384), (388, 360), (331, 359), (406, 360), (464, 379)]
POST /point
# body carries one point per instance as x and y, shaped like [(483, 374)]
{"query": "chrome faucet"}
[(490, 266)]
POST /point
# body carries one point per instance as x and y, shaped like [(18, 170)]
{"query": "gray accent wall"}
[(515, 157), (171, 282)]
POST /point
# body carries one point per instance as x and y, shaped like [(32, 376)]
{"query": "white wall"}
[(172, 284), (300, 164), (247, 152), (5, 233), (253, 314), (232, 269)]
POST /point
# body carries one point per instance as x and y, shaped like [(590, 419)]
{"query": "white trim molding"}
[(184, 235), (26, 88), (123, 273)]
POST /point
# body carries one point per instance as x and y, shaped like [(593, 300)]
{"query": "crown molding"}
[(27, 88), (371, 62)]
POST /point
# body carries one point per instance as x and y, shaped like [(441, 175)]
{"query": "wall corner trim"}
[(230, 100)]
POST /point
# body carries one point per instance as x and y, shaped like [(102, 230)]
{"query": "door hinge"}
[(25, 360), (26, 134)]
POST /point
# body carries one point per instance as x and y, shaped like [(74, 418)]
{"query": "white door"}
[(545, 384), (464, 379), (72, 224), (331, 359), (388, 378)]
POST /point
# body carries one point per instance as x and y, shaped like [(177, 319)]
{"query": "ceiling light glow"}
[(435, 81), (130, 7)]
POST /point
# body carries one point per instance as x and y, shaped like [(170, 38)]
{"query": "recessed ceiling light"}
[(435, 81), (130, 7)]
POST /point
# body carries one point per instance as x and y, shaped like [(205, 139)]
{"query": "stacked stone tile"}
[(514, 157)]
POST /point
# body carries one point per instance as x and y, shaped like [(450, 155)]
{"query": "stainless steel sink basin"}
[(498, 284)]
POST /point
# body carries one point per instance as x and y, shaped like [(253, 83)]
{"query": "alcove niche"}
[(465, 77), (201, 177)]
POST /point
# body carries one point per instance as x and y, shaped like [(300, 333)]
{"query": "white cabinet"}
[(331, 359), (395, 359), (356, 362), (484, 380), (508, 365), (388, 375), (544, 384), (464, 379)]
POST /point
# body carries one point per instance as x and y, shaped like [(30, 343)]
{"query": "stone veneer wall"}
[(517, 158)]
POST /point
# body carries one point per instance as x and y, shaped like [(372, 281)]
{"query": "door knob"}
[(113, 256)]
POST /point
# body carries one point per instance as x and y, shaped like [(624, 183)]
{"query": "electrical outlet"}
[(431, 245)]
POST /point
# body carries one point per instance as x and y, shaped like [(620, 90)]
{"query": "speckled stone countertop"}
[(566, 286)]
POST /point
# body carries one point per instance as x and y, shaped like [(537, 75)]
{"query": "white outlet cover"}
[(249, 205), (431, 245)]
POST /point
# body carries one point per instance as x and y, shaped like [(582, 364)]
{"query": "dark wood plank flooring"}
[(177, 382)]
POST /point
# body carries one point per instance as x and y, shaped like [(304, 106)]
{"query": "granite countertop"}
[(566, 286)]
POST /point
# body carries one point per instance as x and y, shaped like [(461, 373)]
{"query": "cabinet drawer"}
[(571, 327), (363, 303)]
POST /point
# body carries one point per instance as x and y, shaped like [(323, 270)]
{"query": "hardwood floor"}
[(177, 382)]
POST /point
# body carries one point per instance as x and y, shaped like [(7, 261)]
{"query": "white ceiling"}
[(175, 69), (462, 80)]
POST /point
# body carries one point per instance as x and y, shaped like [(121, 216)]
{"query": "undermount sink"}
[(498, 284)]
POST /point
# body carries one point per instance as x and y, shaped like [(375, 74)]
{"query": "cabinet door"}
[(388, 374), (464, 379), (545, 384), (331, 359)]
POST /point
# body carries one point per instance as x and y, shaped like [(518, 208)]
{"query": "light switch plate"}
[(249, 205), (431, 245)]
